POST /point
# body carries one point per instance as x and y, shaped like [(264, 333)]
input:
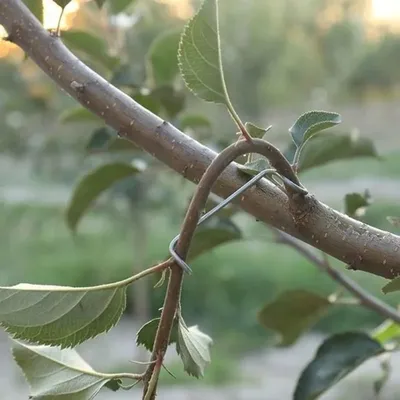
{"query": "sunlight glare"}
[(386, 9)]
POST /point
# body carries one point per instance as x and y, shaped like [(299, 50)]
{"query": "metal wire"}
[(210, 213)]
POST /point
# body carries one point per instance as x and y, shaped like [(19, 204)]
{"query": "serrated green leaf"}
[(252, 168), (193, 346), (356, 202), (92, 46), (100, 3), (62, 3), (392, 286), (292, 313), (211, 234), (194, 121), (395, 221), (336, 358), (311, 123), (171, 100), (147, 334), (59, 315), (92, 185), (162, 60), (386, 332), (78, 115), (36, 8), (199, 55), (53, 373), (118, 6), (325, 148)]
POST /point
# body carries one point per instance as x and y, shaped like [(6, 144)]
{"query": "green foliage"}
[(62, 3), (92, 185), (36, 8), (106, 139), (147, 334), (213, 233), (335, 358), (194, 348), (57, 315), (91, 46), (326, 148), (53, 373), (310, 123), (194, 121), (386, 332), (162, 57), (118, 6), (355, 203), (78, 115), (392, 286), (292, 313), (199, 55)]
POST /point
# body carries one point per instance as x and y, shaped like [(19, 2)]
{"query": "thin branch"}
[(190, 223), (366, 299), (360, 246)]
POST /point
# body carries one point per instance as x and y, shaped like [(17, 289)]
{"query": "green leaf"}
[(92, 185), (162, 61), (395, 221), (147, 334), (325, 148), (171, 100), (148, 101), (118, 6), (292, 313), (255, 131), (53, 373), (336, 357), (355, 203), (312, 122), (62, 3), (194, 121), (59, 315), (386, 332), (211, 234), (90, 45), (392, 286), (78, 115), (36, 8), (252, 168), (100, 3), (125, 76), (105, 139), (193, 346), (199, 55)]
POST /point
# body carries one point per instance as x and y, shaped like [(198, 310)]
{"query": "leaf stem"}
[(366, 299), (238, 121)]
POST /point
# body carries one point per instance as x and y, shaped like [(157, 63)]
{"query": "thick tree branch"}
[(356, 244)]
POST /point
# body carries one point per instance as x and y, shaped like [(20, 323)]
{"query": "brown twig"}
[(193, 214), (366, 299)]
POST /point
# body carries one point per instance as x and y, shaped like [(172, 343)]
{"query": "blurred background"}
[(281, 58)]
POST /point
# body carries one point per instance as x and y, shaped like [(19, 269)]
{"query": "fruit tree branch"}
[(360, 246)]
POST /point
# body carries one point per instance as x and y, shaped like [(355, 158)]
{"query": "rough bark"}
[(360, 246)]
